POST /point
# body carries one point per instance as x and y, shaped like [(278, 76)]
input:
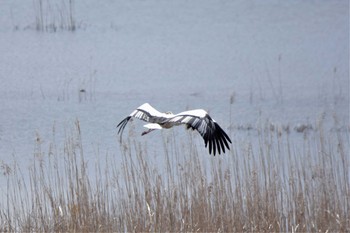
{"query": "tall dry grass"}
[(262, 185), (51, 16)]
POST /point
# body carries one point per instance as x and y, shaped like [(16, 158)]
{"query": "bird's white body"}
[(153, 126), (195, 119)]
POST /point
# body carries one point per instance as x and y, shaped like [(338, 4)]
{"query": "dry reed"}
[(262, 185)]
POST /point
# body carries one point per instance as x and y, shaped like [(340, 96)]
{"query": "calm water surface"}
[(247, 64)]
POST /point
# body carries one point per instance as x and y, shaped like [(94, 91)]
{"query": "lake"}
[(285, 64)]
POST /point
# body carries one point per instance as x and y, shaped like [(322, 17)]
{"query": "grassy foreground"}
[(263, 186)]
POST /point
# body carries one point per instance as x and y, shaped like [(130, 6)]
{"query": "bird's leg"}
[(147, 131)]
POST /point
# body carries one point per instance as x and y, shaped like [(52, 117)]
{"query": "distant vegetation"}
[(270, 185), (54, 15)]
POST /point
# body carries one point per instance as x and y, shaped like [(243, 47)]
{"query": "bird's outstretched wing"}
[(211, 132), (146, 113)]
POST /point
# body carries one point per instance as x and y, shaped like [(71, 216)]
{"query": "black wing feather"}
[(122, 124), (210, 145), (218, 144), (213, 135), (216, 137)]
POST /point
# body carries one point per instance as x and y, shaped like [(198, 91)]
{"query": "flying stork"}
[(197, 119)]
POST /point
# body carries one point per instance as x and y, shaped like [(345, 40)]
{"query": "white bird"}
[(197, 119)]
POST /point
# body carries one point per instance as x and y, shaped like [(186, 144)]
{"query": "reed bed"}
[(52, 16), (266, 184)]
